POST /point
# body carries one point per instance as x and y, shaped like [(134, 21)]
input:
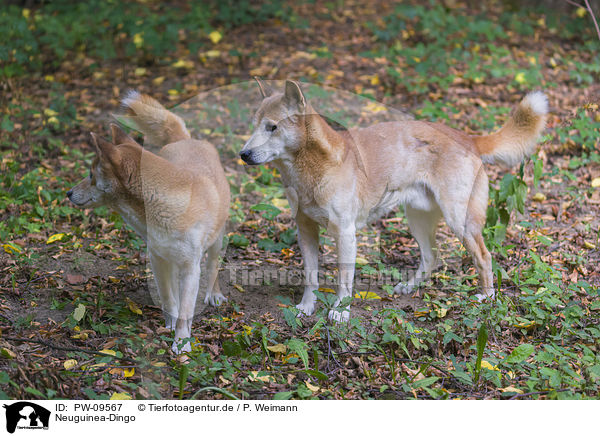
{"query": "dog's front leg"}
[(346, 250), (163, 271), (189, 282), (308, 240)]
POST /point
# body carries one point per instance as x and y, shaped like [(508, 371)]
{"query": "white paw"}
[(306, 308), (215, 299), (404, 289), (178, 348), (339, 316), (490, 296)]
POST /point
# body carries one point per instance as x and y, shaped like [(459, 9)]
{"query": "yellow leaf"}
[(213, 54), (488, 365), (280, 203), (287, 252), (279, 348), (173, 92), (541, 22), (589, 245), (312, 388), (532, 60), (416, 59), (539, 197), (120, 396), (53, 120), (361, 261), (128, 372), (441, 312), (520, 78), (133, 307), (69, 363), (422, 312), (328, 290), (50, 113), (49, 78), (55, 237), (138, 40), (364, 295), (107, 351), (11, 248), (183, 64), (238, 287), (511, 389), (215, 36), (83, 336), (26, 12), (553, 63), (596, 182), (247, 329), (375, 80), (140, 71), (580, 12), (158, 80), (253, 376), (525, 325), (159, 364)]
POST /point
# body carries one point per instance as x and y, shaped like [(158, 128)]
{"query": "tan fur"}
[(343, 180), (177, 199)]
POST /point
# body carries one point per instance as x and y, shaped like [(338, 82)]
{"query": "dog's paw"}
[(339, 316), (215, 299), (306, 308), (404, 289), (178, 348), (482, 297)]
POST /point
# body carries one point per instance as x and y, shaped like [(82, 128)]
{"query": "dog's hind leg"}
[(189, 282), (308, 240), (214, 297), (466, 217), (163, 271), (423, 225)]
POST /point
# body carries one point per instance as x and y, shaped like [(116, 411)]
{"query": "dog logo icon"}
[(26, 415)]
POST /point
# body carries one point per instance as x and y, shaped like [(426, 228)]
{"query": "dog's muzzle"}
[(247, 157)]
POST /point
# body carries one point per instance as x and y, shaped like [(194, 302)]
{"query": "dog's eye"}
[(270, 127)]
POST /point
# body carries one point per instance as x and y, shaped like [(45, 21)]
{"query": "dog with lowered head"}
[(342, 180), (177, 200)]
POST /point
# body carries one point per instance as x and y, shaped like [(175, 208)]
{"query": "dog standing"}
[(177, 200), (343, 180)]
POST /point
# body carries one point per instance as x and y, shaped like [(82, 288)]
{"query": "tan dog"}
[(178, 200), (343, 180)]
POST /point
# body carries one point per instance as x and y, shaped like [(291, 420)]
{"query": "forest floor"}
[(76, 317)]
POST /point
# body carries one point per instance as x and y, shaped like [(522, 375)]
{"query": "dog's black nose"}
[(69, 193), (245, 155)]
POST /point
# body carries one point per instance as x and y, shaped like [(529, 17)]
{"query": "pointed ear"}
[(118, 135), (265, 90), (293, 95), (106, 150)]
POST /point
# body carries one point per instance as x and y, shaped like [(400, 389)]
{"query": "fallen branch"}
[(59, 347)]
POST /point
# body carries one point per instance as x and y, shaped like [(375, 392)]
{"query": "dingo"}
[(342, 180), (177, 200)]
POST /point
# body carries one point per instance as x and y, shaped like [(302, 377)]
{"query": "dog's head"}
[(279, 125), (111, 172)]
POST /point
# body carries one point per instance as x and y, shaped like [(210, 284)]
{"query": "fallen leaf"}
[(279, 348), (55, 237), (133, 307), (120, 396), (367, 295), (69, 363), (79, 312), (215, 36)]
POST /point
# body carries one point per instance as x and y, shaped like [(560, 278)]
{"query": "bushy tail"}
[(517, 138), (159, 126)]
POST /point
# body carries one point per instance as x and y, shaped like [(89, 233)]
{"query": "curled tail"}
[(159, 125), (517, 138)]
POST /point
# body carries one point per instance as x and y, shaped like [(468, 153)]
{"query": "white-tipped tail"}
[(517, 138), (159, 125)]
